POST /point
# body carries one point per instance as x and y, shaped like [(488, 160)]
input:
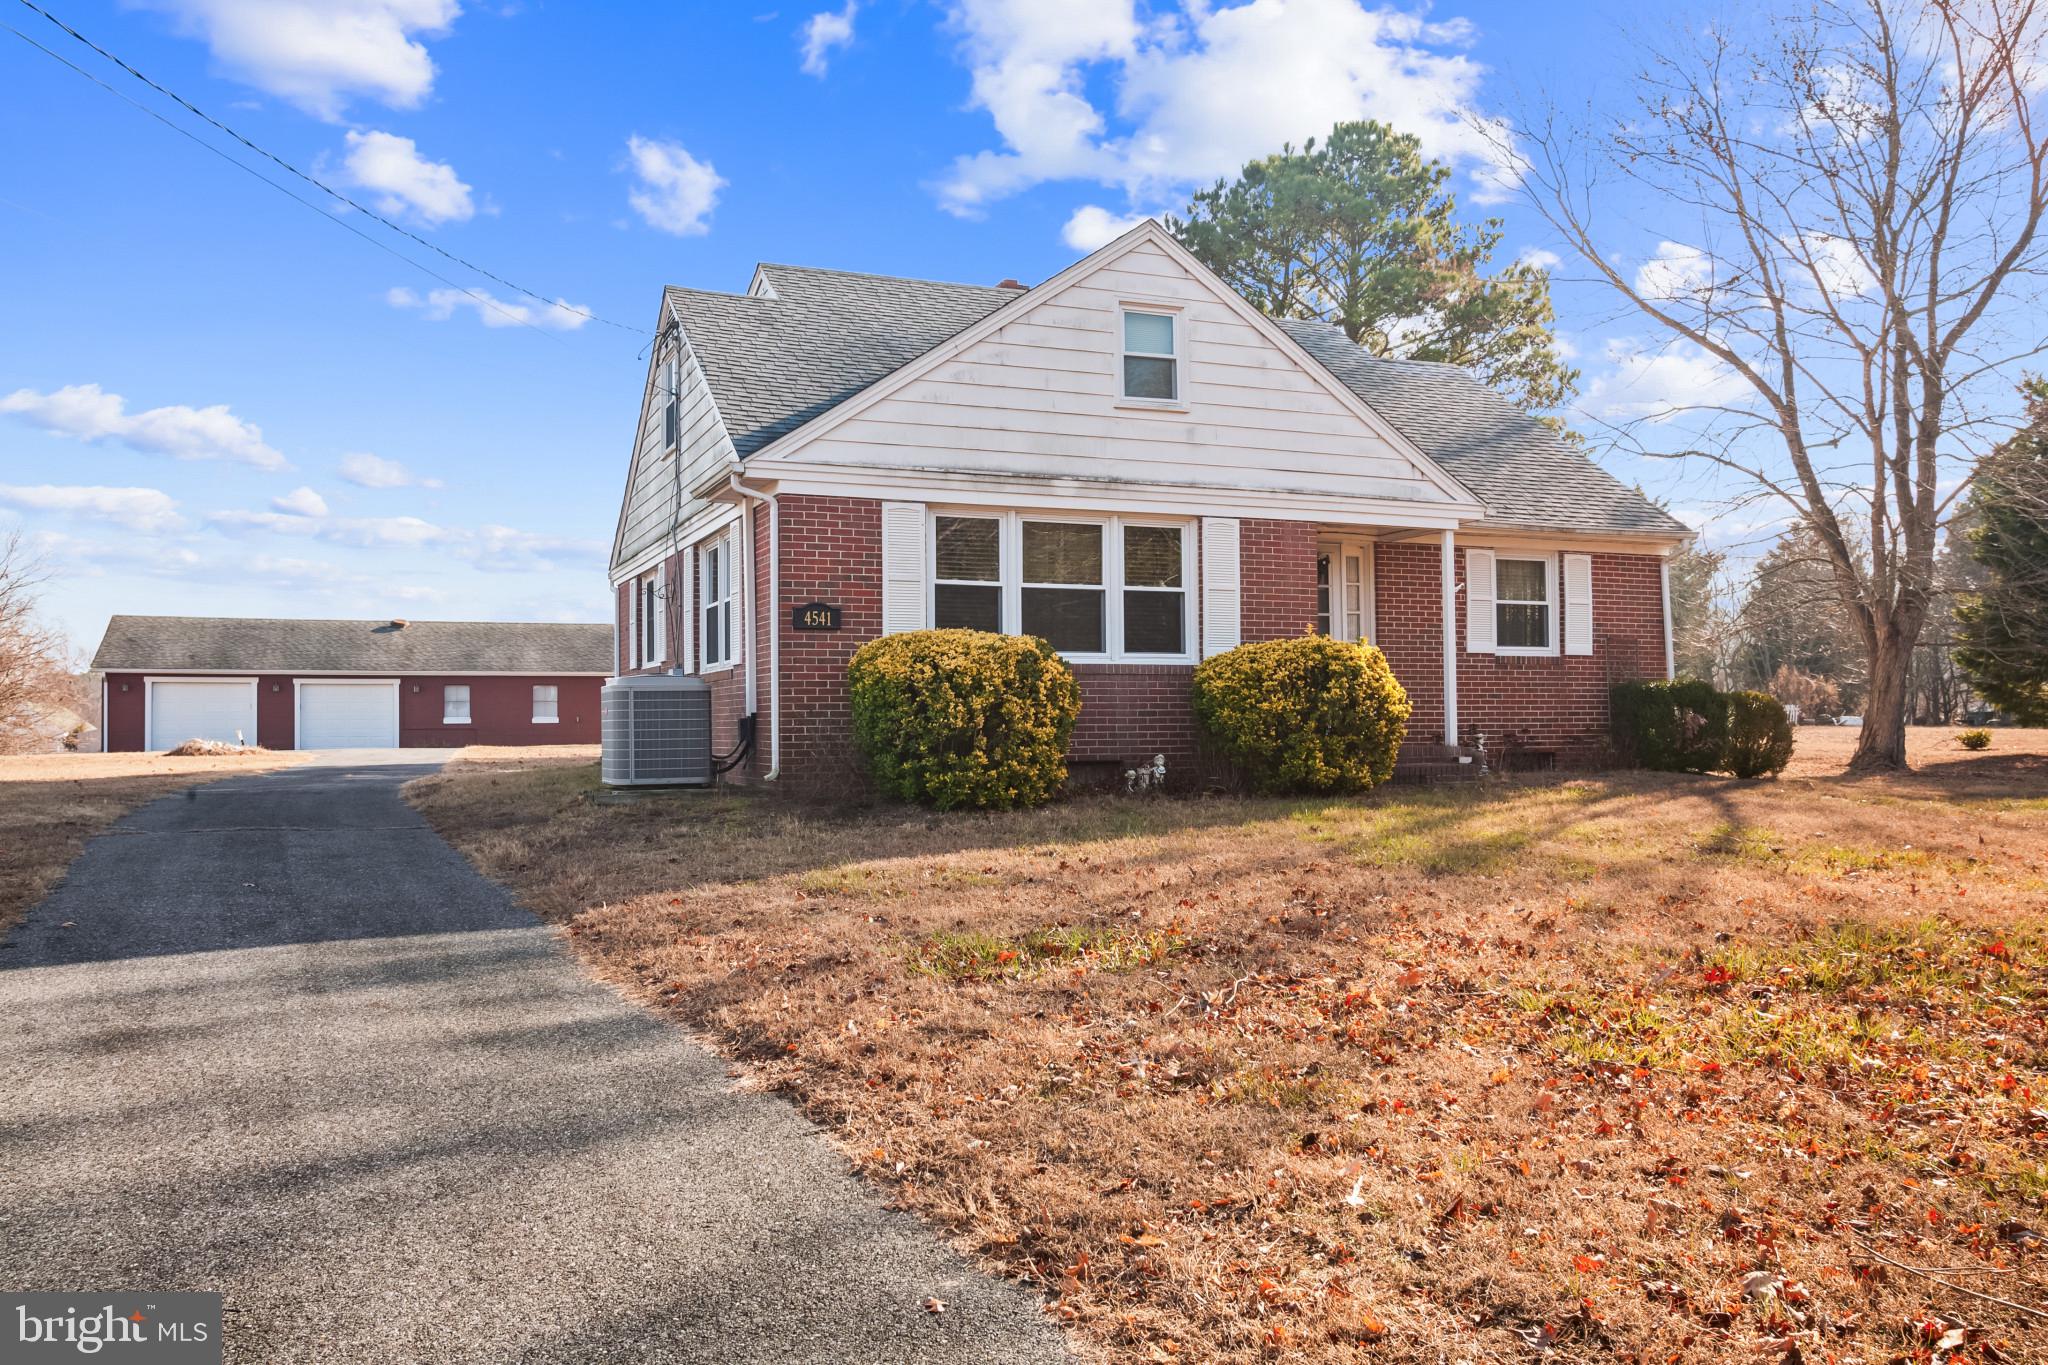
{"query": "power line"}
[(314, 181)]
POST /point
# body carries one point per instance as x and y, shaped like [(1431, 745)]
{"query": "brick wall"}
[(831, 552), (1547, 702), (1277, 561)]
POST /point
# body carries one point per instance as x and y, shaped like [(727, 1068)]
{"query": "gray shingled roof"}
[(1518, 468), (776, 363), (169, 644)]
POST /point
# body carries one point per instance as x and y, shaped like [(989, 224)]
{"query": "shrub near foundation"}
[(1311, 714), (952, 718)]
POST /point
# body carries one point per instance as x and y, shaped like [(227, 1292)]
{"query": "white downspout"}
[(1670, 645), (1450, 596), (774, 618)]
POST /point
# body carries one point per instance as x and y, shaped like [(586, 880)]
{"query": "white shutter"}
[(1479, 594), (1578, 604), (686, 600), (1222, 586), (661, 610), (902, 567)]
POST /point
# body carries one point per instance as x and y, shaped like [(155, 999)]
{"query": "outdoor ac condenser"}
[(657, 731)]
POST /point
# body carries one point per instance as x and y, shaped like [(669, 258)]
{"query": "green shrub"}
[(1310, 714), (1673, 727), (1974, 739), (952, 718), (1759, 738)]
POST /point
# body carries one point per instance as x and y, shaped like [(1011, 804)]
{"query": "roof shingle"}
[(170, 644)]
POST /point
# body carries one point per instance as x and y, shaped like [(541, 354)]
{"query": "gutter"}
[(753, 496)]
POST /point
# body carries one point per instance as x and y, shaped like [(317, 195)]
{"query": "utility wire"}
[(314, 181)]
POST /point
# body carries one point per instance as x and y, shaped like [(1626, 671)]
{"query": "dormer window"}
[(1151, 357)]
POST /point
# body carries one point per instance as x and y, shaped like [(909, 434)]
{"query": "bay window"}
[(1093, 588)]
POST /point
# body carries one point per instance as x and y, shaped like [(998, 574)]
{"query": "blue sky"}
[(214, 400)]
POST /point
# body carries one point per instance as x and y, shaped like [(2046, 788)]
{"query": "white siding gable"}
[(1040, 397), (651, 513)]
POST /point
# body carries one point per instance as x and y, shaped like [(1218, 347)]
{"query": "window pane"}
[(1322, 594), (1145, 377), (544, 703), (1152, 622), (967, 608), (969, 547), (455, 703), (1068, 619), (1061, 552), (1152, 556), (1523, 627), (1151, 333), (1518, 580)]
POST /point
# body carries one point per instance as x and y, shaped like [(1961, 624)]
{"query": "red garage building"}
[(288, 684)]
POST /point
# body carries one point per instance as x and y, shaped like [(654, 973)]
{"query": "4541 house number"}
[(814, 616)]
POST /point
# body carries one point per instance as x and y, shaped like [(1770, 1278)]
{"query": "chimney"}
[(1010, 284), (398, 623)]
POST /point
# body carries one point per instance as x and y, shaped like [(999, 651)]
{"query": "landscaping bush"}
[(1310, 714), (1974, 739), (1759, 735), (951, 718), (1673, 727)]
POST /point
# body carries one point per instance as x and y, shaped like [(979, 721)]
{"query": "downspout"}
[(738, 485)]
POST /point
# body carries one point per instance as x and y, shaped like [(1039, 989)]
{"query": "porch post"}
[(1450, 596)]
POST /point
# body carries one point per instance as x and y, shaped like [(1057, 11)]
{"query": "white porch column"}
[(1450, 595)]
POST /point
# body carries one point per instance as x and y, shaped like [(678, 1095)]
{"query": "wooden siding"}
[(651, 511), (1040, 397)]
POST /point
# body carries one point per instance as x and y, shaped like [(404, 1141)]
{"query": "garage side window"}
[(455, 705), (546, 705)]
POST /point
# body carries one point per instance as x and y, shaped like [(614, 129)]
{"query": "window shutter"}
[(1222, 586), (902, 567), (1479, 594), (1578, 604), (686, 609), (661, 611)]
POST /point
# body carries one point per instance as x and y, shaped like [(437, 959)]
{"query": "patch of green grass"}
[(974, 956), (848, 880), (1449, 831)]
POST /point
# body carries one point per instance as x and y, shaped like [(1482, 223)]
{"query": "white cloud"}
[(87, 413), (1837, 263), (405, 181), (1199, 93), (302, 502), (825, 31), (1658, 385), (147, 510), (368, 532), (1092, 226), (676, 192), (374, 471), (318, 54), (440, 304), (501, 549), (1539, 258), (1676, 273), (492, 548)]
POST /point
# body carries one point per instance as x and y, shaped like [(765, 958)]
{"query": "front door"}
[(1344, 590)]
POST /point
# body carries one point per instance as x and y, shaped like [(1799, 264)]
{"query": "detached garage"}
[(288, 684)]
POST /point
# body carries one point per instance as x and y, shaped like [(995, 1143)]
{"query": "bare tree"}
[(1851, 196), (32, 672)]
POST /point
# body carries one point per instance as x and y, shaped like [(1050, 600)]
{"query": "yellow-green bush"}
[(952, 718), (1311, 714)]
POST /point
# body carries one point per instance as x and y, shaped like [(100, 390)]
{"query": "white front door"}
[(348, 715), (222, 709), (1344, 590)]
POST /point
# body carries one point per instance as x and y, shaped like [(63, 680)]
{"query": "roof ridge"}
[(878, 275), (358, 620)]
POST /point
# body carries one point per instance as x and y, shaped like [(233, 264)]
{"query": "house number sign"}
[(814, 616)]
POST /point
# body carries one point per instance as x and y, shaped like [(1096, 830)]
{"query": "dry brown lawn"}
[(50, 804), (1617, 1067)]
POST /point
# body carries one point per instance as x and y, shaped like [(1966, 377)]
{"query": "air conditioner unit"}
[(657, 731)]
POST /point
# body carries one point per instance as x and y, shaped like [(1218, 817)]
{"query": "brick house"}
[(1131, 462), (301, 684)]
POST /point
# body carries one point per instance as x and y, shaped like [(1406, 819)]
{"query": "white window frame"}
[(1178, 355), (468, 716), (1553, 617), (721, 549), (1341, 549), (1011, 558), (554, 699)]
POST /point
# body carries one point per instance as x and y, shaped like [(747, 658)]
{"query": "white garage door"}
[(350, 715), (191, 708)]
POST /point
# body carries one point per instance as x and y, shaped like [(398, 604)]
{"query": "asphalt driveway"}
[(273, 1037)]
